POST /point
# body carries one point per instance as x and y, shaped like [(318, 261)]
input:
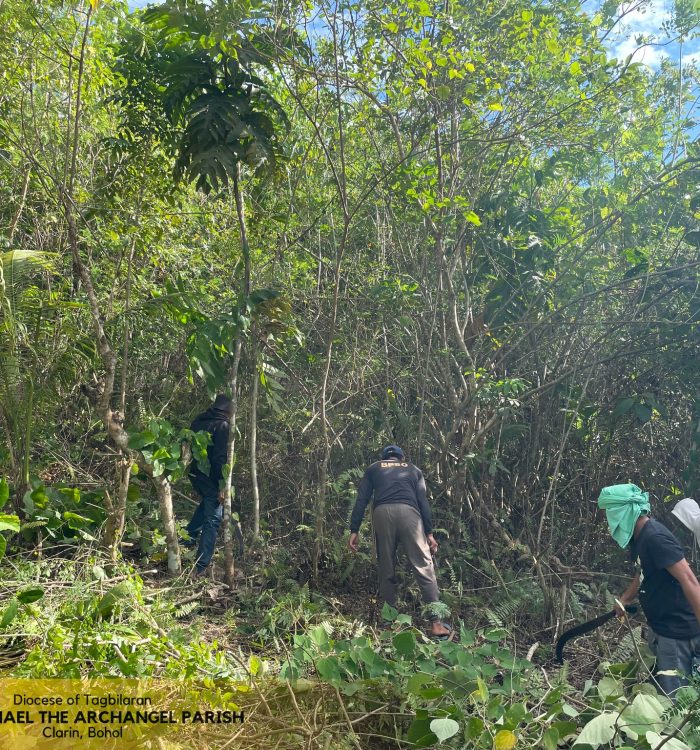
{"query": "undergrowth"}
[(328, 679)]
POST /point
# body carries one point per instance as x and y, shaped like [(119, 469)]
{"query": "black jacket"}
[(215, 422), (392, 481)]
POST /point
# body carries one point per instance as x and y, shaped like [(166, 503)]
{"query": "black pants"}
[(205, 521)]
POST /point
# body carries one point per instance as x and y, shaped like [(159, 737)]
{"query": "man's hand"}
[(432, 543), (222, 493), (628, 596), (354, 541)]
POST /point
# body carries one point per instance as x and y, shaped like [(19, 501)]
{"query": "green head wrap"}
[(623, 504)]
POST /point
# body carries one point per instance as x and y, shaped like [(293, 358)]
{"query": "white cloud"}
[(642, 19), (650, 55)]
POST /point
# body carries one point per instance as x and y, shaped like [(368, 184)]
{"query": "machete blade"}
[(585, 627)]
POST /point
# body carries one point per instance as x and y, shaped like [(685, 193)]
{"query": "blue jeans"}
[(205, 523), (673, 654)]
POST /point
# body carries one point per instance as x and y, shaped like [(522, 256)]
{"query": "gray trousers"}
[(673, 654), (396, 523)]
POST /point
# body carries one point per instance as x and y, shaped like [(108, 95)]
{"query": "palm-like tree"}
[(206, 64)]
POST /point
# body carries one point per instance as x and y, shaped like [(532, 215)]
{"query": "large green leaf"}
[(420, 734), (141, 439), (624, 405), (693, 238), (550, 739), (121, 592), (4, 491), (654, 739), (9, 613), (443, 729), (328, 668), (405, 643), (389, 613), (30, 594), (642, 715), (16, 265), (9, 522), (599, 731)]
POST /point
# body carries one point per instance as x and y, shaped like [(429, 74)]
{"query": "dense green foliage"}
[(462, 227)]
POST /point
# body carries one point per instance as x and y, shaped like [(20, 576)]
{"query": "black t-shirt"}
[(661, 596), (392, 481)]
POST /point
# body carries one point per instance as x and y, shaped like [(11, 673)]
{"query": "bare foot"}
[(438, 628)]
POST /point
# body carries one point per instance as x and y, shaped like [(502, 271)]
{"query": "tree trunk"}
[(341, 185), (253, 432), (116, 511), (229, 565), (112, 424), (165, 500), (20, 208), (27, 436)]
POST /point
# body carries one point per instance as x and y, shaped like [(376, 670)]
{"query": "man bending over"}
[(400, 515)]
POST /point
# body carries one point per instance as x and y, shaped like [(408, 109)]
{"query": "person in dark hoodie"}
[(207, 518), (401, 515)]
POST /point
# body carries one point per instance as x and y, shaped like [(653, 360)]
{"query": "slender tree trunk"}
[(22, 201), (27, 435), (127, 325), (7, 431), (253, 432), (341, 185), (319, 530), (229, 565)]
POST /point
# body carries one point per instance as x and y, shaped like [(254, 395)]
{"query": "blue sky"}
[(642, 18), (646, 19)]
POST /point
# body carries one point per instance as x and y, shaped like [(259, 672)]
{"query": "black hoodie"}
[(214, 421)]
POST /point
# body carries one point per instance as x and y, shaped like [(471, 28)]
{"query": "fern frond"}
[(453, 576), (186, 609), (493, 619), (34, 524), (625, 649), (16, 266)]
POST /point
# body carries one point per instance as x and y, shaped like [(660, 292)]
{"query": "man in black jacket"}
[(400, 514), (207, 518)]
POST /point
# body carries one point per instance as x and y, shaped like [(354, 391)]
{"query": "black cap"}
[(393, 450), (223, 403)]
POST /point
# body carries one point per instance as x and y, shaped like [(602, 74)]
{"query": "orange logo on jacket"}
[(390, 464)]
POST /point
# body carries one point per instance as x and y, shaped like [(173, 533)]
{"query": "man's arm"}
[(364, 493), (629, 594), (689, 583), (218, 451)]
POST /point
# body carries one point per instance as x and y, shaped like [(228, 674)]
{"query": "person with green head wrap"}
[(668, 590)]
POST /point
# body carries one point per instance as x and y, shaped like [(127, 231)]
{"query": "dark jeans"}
[(205, 523), (673, 654)]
